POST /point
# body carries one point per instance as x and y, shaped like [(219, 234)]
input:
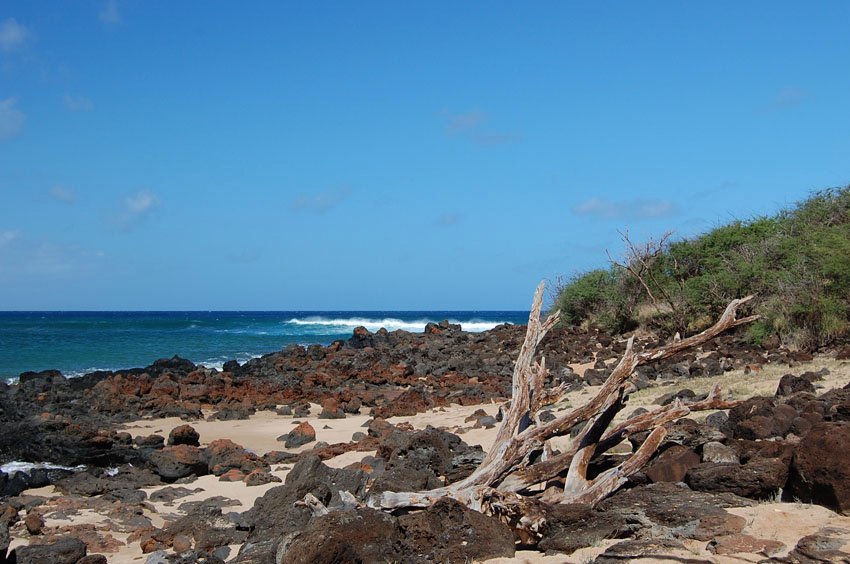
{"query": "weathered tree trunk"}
[(514, 464)]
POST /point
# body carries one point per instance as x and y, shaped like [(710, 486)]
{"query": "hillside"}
[(797, 262)]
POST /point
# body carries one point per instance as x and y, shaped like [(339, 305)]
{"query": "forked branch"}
[(512, 466)]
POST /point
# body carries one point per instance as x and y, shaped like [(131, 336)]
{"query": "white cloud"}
[(7, 237), (78, 104), (465, 122), (136, 208), (63, 194), (320, 202), (11, 119), (110, 14), (788, 97), (473, 125), (29, 257), (631, 209), (13, 35), (141, 202)]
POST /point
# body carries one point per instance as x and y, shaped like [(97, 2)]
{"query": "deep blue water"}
[(80, 342)]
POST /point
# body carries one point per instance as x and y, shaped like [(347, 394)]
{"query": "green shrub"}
[(796, 262)]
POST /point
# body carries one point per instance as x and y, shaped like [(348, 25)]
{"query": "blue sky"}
[(386, 155)]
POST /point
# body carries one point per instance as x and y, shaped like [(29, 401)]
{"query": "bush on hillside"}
[(797, 262)]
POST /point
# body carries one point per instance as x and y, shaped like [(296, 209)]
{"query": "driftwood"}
[(518, 466)]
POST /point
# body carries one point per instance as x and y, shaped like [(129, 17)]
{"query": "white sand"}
[(785, 523)]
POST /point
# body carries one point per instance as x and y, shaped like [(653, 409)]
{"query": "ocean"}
[(80, 342)]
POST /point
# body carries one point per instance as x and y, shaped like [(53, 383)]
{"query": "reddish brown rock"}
[(34, 523), (260, 477), (232, 475), (181, 543), (179, 461), (759, 478), (736, 544), (184, 435), (331, 410), (225, 455), (820, 469), (672, 465), (301, 435)]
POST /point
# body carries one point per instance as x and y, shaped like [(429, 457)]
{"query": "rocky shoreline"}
[(788, 446)]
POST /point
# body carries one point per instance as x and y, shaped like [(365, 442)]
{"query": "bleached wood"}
[(507, 467)]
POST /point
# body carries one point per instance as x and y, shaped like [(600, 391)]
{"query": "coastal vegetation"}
[(796, 262)]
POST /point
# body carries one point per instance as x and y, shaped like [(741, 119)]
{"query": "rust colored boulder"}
[(759, 478), (34, 523), (451, 532), (184, 435), (301, 435), (672, 464), (179, 461), (225, 455), (820, 468)]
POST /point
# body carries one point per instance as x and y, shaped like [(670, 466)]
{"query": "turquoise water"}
[(81, 342)]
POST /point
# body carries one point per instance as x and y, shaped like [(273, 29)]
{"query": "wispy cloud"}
[(13, 36), (136, 208), (7, 237), (11, 119), (474, 127), (787, 97), (110, 14), (78, 104), (631, 209), (448, 219), (459, 124), (22, 255), (320, 202), (63, 194)]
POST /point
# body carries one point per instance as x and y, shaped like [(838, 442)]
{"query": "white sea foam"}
[(14, 467), (78, 373), (218, 362), (389, 323)]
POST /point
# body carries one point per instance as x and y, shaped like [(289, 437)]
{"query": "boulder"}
[(574, 526), (790, 384), (179, 461), (301, 435), (275, 516), (331, 410), (686, 513), (672, 464), (448, 531), (737, 544), (184, 435), (820, 468), (759, 478), (225, 455), (364, 535), (34, 522), (150, 441), (260, 477), (66, 550), (719, 453)]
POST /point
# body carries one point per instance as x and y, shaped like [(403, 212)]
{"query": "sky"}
[(393, 155)]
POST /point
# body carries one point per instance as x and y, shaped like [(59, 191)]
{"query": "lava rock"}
[(179, 461), (184, 435), (820, 468)]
